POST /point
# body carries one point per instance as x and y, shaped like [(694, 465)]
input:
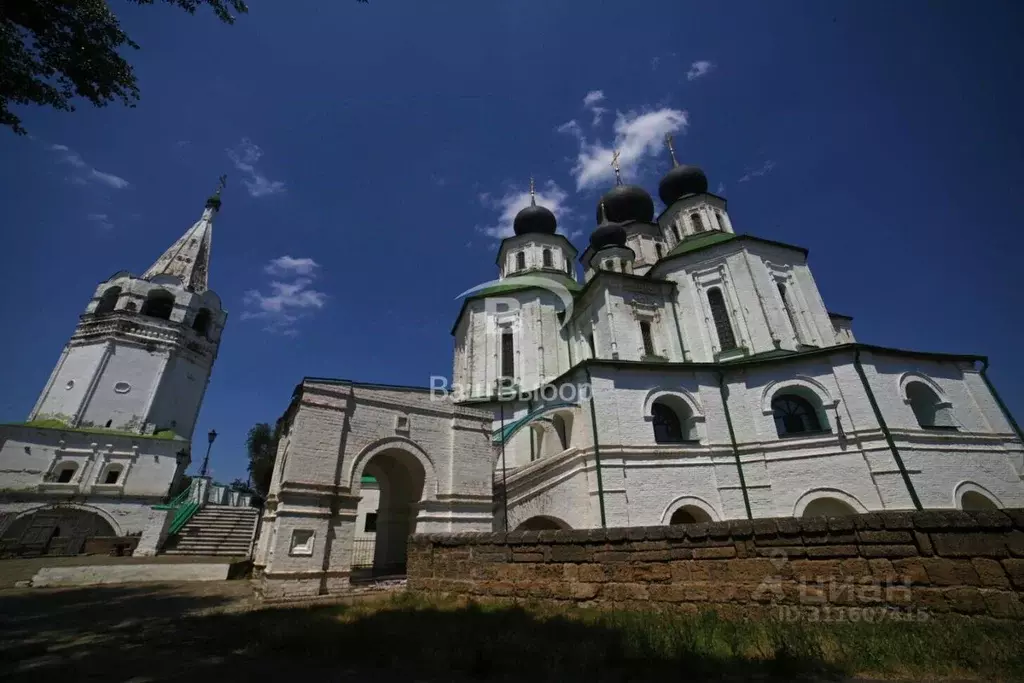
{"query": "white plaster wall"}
[(135, 366), (76, 366), (179, 396), (27, 455)]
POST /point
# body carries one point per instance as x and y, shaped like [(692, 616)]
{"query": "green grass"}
[(432, 637), (52, 423)]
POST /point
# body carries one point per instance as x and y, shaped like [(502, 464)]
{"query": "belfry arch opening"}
[(159, 304), (400, 478)]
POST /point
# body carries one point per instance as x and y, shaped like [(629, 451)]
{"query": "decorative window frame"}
[(301, 545), (810, 385), (944, 403), (782, 274), (718, 276), (105, 462), (695, 423), (690, 501)]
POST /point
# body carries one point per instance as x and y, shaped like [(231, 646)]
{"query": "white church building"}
[(693, 374), (110, 436)]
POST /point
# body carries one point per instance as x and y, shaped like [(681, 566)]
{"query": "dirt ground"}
[(216, 631)]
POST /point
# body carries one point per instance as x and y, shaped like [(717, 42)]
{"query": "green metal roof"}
[(367, 479), (700, 241)]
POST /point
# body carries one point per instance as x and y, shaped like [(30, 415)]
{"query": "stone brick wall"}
[(876, 565)]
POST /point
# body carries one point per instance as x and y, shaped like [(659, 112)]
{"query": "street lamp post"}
[(206, 461)]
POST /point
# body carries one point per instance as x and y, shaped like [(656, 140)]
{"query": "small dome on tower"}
[(625, 203), (607, 234), (681, 181), (535, 219)]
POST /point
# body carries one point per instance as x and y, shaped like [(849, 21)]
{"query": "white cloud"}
[(638, 136), (244, 156), (286, 265), (571, 128), (550, 196), (100, 219), (287, 302), (84, 173), (590, 102), (721, 189), (698, 69), (764, 169)]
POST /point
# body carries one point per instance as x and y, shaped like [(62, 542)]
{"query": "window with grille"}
[(521, 261), (794, 415), (720, 315), (667, 427)]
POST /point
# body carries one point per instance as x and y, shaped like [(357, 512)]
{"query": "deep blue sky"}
[(887, 137)]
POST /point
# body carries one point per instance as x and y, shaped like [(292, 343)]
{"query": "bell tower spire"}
[(188, 259)]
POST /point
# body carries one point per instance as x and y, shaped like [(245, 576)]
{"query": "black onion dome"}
[(608, 235), (535, 219), (681, 181), (625, 203)]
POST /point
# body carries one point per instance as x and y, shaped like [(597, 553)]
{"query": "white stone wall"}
[(136, 372), (677, 223), (645, 482), (409, 439), (541, 350), (29, 456)]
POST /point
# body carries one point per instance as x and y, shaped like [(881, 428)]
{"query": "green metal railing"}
[(184, 507)]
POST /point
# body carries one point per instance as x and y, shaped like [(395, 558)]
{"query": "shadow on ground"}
[(167, 633)]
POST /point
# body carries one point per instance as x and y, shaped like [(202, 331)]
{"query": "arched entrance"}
[(55, 530), (400, 478)]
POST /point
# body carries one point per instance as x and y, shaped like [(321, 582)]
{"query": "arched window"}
[(521, 261), (659, 250), (689, 514), (66, 473), (698, 223), (159, 304), (562, 430), (930, 411), (648, 340), (720, 314), (972, 500), (789, 311), (201, 324), (547, 258), (675, 232), (828, 507), (609, 265), (721, 223), (794, 415), (108, 301), (112, 474), (668, 427)]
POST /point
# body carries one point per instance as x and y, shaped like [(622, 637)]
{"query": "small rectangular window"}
[(370, 525), (508, 361), (645, 333)]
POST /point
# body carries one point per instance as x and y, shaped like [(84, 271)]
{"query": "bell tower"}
[(140, 357)]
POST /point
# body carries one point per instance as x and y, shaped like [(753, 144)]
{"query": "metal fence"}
[(362, 552)]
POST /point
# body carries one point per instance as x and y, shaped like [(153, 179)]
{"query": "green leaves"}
[(53, 51)]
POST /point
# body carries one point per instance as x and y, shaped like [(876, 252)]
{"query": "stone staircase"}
[(216, 530)]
